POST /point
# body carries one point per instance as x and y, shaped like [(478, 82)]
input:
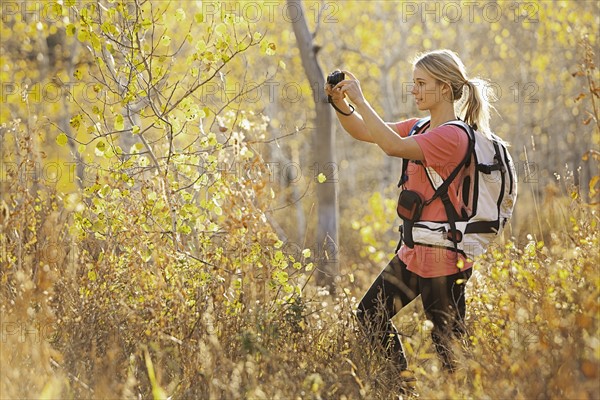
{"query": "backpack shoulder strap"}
[(417, 128), (442, 190)]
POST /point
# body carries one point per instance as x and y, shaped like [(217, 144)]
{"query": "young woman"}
[(439, 275)]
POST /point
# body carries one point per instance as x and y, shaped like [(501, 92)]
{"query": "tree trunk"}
[(323, 143)]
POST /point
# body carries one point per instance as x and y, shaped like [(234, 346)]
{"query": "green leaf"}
[(281, 277), (136, 148), (221, 29), (165, 40), (100, 148), (186, 230), (201, 46), (92, 276), (62, 139), (71, 29), (83, 35), (146, 255), (104, 191), (109, 153), (119, 122), (75, 121), (95, 41)]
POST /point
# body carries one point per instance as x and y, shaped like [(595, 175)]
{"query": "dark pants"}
[(443, 300)]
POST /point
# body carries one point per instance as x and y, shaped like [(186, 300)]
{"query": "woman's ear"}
[(447, 91), (446, 87)]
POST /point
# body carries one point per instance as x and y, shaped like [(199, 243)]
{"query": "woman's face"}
[(426, 89)]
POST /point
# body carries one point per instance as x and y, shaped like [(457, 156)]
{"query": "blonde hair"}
[(473, 107)]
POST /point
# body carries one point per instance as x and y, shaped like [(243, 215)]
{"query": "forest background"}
[(163, 187)]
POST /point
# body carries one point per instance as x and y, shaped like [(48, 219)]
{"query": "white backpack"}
[(488, 191)]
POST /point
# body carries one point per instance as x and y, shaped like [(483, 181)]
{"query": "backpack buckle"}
[(455, 236)]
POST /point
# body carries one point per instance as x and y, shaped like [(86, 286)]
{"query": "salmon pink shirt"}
[(443, 148)]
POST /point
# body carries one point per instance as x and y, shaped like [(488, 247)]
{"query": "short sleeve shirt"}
[(443, 147)]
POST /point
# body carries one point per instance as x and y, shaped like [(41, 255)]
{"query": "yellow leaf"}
[(592, 185), (574, 195), (75, 121), (119, 122), (221, 29), (201, 46), (62, 139), (591, 153), (71, 29), (92, 275), (83, 35), (165, 40), (100, 148)]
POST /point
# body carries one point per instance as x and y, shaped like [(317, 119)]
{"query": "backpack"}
[(488, 192)]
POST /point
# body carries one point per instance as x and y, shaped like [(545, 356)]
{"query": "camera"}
[(335, 77)]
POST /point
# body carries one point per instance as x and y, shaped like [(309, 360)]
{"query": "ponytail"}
[(474, 106)]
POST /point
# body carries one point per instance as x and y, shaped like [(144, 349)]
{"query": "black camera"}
[(335, 77)]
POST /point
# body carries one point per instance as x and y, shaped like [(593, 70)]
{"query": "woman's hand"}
[(348, 87), (337, 97), (351, 87)]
